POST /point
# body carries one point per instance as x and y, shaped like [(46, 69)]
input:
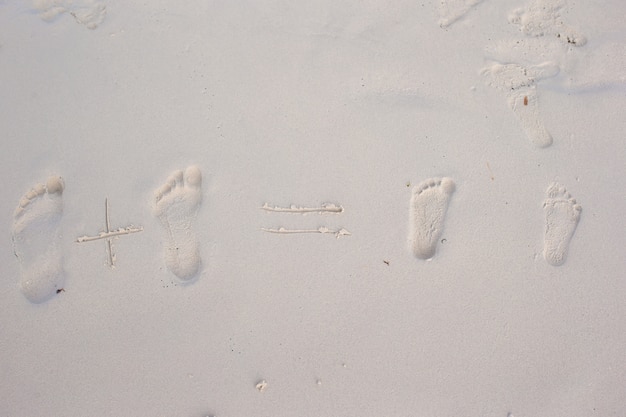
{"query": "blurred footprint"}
[(542, 17), (452, 10), (519, 85), (86, 12)]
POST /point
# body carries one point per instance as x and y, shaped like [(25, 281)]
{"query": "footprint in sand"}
[(562, 215), (176, 207), (90, 13), (519, 84), (544, 17), (429, 204), (36, 240), (452, 10)]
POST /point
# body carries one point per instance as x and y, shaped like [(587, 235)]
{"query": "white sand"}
[(313, 105)]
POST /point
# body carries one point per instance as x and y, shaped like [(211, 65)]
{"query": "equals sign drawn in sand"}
[(108, 234), (322, 209)]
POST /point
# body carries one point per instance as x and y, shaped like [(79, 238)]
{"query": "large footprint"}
[(562, 215), (429, 204), (176, 206), (36, 240)]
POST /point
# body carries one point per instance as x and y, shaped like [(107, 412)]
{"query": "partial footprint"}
[(543, 17), (176, 206), (562, 215), (519, 85), (429, 204), (90, 13), (36, 240), (452, 10)]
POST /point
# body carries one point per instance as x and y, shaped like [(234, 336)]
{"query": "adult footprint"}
[(429, 204), (36, 240), (176, 207), (562, 215)]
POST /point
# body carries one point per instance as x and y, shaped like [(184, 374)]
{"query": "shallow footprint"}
[(429, 204), (90, 13), (176, 207), (519, 84), (36, 240), (544, 17), (562, 215), (452, 10)]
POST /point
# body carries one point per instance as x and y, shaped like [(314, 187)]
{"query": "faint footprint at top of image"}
[(90, 13), (452, 10), (429, 204), (176, 206), (543, 17), (547, 36), (36, 240), (519, 84), (562, 215)]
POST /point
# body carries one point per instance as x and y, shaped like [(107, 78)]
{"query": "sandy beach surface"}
[(327, 208)]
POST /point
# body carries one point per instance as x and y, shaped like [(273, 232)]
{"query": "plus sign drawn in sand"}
[(176, 206), (326, 208), (429, 204), (109, 234), (36, 240), (562, 216)]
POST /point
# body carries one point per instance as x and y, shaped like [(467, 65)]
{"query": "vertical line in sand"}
[(108, 229)]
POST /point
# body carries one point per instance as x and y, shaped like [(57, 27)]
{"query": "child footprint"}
[(429, 204), (36, 240), (562, 215), (176, 207)]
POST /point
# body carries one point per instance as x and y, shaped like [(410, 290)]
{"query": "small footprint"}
[(176, 207), (36, 240), (429, 204), (519, 84), (562, 215)]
